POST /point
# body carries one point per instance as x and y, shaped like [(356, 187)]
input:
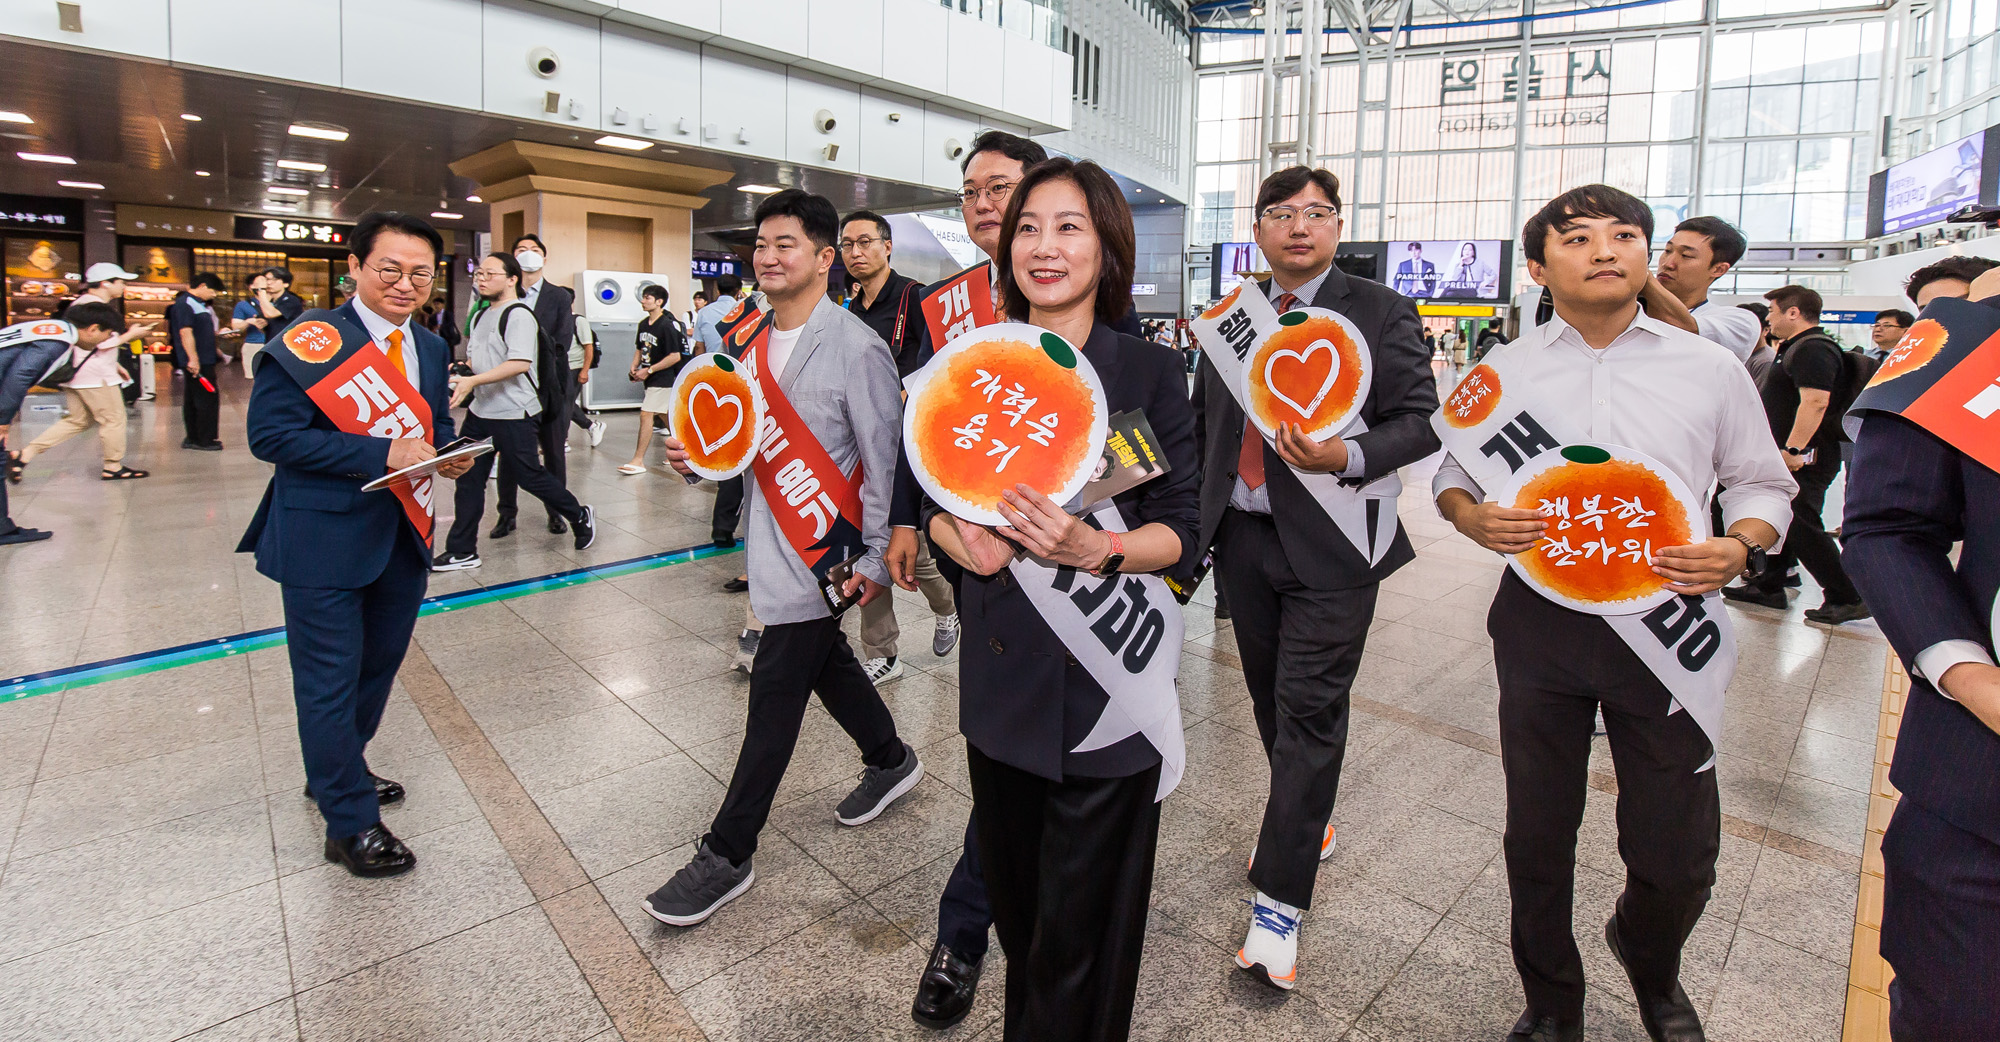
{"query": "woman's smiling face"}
[(1056, 253)]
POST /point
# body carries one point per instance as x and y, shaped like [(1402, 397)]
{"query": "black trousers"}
[(1069, 868), (1301, 649), (345, 648), (1808, 543), (728, 510), (7, 524), (1940, 916), (965, 916), (514, 443), (796, 660), (1557, 667), (577, 413), (551, 435), (200, 408)]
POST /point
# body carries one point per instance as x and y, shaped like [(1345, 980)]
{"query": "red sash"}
[(817, 507), (352, 382), (960, 304)]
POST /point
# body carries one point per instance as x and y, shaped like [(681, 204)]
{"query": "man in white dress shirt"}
[(1702, 250), (1627, 379)]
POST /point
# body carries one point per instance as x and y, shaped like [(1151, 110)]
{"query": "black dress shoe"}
[(736, 585), (1667, 1018), (386, 791), (1758, 596), (371, 853), (946, 990), (1531, 1028), (557, 526), (502, 528)]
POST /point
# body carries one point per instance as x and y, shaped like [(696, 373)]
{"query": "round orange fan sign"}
[(715, 412), (313, 341), (1918, 346), (1609, 509), (1006, 404), (1313, 370), (1475, 398)]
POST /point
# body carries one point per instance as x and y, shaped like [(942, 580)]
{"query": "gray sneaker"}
[(696, 891), (946, 637), (746, 651), (880, 786)]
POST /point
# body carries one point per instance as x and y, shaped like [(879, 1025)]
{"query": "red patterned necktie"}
[(1250, 461)]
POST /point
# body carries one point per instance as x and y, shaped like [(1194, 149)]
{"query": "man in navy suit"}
[(352, 563), (1910, 496)]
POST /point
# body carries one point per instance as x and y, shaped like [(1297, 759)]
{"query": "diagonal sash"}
[(353, 384), (1492, 424), (959, 304), (1943, 376), (817, 507), (1365, 515)]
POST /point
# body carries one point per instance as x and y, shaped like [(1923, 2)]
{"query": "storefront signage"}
[(35, 213), (714, 265), (272, 229)]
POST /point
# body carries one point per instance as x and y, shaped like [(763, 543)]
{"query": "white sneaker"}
[(882, 670), (597, 428), (1271, 949)]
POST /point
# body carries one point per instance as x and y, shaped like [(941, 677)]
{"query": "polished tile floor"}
[(562, 750)]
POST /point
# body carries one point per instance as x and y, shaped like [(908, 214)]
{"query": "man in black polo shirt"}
[(1805, 392), (283, 308), (191, 331)]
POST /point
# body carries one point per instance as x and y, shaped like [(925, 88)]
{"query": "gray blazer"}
[(842, 380)]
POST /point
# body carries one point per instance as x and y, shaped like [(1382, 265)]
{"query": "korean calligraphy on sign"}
[(271, 229), (1608, 510)]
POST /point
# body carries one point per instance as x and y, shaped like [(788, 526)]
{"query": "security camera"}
[(953, 149), (543, 62), (895, 117), (823, 121)]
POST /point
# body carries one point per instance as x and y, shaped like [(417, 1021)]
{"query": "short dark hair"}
[(1283, 184), (1807, 300), (374, 223), (881, 222), (253, 277), (1963, 268), (1562, 213), (209, 279), (654, 289), (1013, 146), (529, 237), (509, 265), (700, 294), (1724, 240), (1759, 309), (284, 274), (815, 213), (1417, 246), (94, 313), (1109, 216), (728, 284), (1899, 316)]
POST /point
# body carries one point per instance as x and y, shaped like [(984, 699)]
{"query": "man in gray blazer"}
[(840, 379)]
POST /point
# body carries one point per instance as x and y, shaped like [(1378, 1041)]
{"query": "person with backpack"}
[(39, 352), (92, 392), (507, 357), (1808, 389), (554, 307)]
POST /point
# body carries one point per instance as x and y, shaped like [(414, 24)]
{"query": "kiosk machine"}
[(611, 305)]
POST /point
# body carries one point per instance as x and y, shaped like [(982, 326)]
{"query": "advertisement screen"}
[(1449, 269), (1234, 262), (1932, 186)]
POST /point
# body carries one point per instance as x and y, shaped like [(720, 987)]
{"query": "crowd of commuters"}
[(1060, 845)]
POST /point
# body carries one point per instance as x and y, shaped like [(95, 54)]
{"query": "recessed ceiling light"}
[(474, 199), (286, 190), (447, 215), (201, 173), (91, 185), (7, 116), (759, 189), (293, 164), (629, 143), (190, 117), (322, 131), (44, 157), (281, 208)]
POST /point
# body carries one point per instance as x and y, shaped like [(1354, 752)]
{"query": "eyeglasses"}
[(1283, 216), (391, 275), (996, 191), (865, 242)]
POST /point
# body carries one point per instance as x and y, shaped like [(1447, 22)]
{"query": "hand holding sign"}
[(716, 410), (1610, 513)]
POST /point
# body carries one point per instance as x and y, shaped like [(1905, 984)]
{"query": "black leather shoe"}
[(1667, 1018), (1531, 1028), (372, 853), (736, 585), (946, 990), (502, 528), (1758, 596), (386, 791), (557, 526)]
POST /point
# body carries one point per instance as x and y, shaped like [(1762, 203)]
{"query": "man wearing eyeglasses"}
[(1300, 556)]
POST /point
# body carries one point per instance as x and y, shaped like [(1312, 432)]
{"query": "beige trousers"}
[(102, 406), (879, 628)]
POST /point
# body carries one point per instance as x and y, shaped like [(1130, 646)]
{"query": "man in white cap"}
[(105, 282)]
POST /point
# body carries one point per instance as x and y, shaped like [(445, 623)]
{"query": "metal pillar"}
[(1376, 27), (1301, 145)]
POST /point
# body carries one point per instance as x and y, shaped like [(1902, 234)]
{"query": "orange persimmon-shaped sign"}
[(1609, 509), (1314, 371), (315, 342), (715, 411), (1005, 404), (1921, 344), (1475, 398)]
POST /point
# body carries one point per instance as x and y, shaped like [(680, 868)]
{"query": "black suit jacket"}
[(1021, 700), (1398, 412), (555, 312), (1910, 496)]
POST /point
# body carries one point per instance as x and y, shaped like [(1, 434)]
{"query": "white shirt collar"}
[(1643, 328), (379, 327), (528, 295)]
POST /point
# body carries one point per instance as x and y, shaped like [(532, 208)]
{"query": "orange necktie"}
[(396, 351), (1250, 462)]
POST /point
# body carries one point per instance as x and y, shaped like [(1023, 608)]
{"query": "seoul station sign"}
[(1564, 88)]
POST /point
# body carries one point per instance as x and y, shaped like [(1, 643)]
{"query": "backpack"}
[(549, 375), (1855, 372)]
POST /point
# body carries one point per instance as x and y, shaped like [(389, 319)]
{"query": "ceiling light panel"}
[(44, 157), (7, 116), (321, 131), (88, 185), (446, 215), (294, 164), (286, 190), (630, 144), (759, 189)]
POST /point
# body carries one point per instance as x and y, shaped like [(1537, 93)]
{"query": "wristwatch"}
[(1753, 567), (1797, 452), (1113, 560)]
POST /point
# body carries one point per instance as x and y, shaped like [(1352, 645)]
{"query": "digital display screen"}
[(1934, 185), (1234, 262), (1449, 269)]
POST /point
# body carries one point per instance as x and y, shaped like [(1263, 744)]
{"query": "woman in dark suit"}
[(1067, 838)]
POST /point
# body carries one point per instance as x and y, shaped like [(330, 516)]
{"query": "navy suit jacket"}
[(1910, 496), (315, 526)]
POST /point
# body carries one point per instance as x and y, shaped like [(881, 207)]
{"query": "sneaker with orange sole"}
[(1270, 951)]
